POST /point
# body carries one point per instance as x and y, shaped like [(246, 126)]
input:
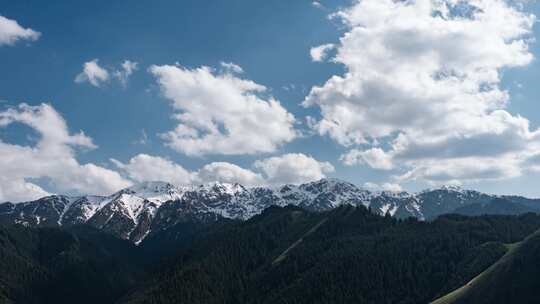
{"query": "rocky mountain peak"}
[(135, 212)]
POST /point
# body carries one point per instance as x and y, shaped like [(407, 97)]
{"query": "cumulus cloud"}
[(533, 162), (317, 4), (51, 158), (383, 187), (97, 75), (145, 167), (17, 190), (422, 80), (231, 67), (127, 68), (455, 171), (293, 168), (11, 32), (320, 53), (93, 74), (288, 168), (229, 173), (375, 158), (220, 113)]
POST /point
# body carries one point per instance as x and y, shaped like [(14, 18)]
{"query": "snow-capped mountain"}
[(138, 211), (127, 213)]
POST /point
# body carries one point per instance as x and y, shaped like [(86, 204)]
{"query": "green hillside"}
[(284, 255), (79, 265), (512, 279), (348, 255)]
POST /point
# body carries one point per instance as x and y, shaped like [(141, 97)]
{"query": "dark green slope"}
[(496, 206), (512, 279), (178, 237), (284, 255), (79, 265), (348, 255)]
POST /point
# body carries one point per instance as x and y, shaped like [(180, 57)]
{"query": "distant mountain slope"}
[(145, 209), (495, 206), (512, 279), (79, 265), (346, 255)]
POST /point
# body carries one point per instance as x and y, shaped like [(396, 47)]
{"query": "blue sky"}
[(269, 40)]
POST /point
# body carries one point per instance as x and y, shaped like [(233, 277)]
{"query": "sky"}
[(389, 95)]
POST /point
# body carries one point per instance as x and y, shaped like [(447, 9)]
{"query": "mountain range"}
[(150, 207)]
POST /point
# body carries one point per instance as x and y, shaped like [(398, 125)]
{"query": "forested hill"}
[(512, 279), (78, 265), (284, 255), (348, 255)]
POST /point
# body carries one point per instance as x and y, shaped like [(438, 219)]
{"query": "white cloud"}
[(229, 173), (317, 4), (97, 75), (17, 190), (320, 53), (383, 187), (423, 80), (219, 113), (93, 73), (288, 168), (145, 167), (391, 187), (11, 32), (293, 169), (143, 140), (375, 158), (232, 67), (533, 162), (458, 170), (127, 68), (52, 158)]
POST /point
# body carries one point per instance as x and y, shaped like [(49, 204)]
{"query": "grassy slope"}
[(513, 278)]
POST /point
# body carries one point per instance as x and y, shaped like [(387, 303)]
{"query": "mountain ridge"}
[(135, 212)]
